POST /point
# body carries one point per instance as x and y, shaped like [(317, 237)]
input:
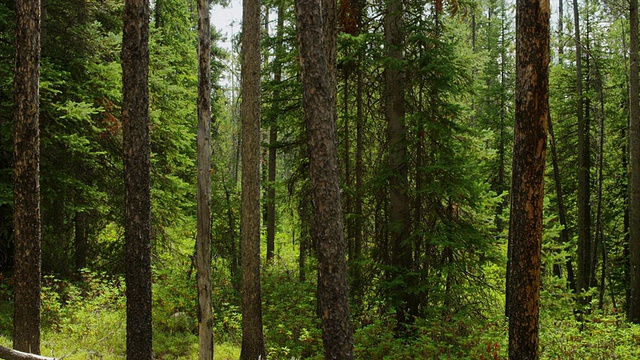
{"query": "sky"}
[(227, 20)]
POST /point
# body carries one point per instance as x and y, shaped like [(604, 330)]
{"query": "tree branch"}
[(10, 354)]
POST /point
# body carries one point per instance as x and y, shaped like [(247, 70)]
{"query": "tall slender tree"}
[(315, 37), (273, 133), (584, 207), (527, 187), (634, 166), (252, 337), (136, 143), (399, 212), (203, 241), (26, 178)]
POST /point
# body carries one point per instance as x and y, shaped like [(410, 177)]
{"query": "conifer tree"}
[(252, 333), (26, 175), (318, 81), (527, 186), (137, 166)]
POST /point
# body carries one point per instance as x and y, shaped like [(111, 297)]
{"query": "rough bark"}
[(584, 208), (136, 143), (527, 192), (252, 337), (634, 167), (203, 236), (10, 354), (318, 80), (26, 179)]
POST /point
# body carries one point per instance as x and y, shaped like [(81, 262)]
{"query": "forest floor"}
[(86, 320)]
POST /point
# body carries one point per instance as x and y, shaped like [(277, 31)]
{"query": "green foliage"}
[(457, 337), (84, 320), (291, 327)]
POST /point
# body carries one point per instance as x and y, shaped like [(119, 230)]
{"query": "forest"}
[(353, 179)]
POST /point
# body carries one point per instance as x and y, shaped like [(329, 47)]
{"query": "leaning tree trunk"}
[(319, 106), (136, 144), (203, 236), (26, 178), (527, 187)]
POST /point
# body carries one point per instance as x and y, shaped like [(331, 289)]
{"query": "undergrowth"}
[(85, 319)]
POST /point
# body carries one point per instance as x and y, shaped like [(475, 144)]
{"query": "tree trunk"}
[(358, 285), (399, 213), (136, 144), (316, 41), (599, 232), (26, 179), (560, 26), (273, 136), (584, 209), (527, 187), (203, 236), (252, 337), (634, 167)]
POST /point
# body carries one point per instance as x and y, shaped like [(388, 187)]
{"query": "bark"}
[(358, 286), (252, 338), (10, 354), (347, 167), (584, 209), (203, 236), (318, 80), (136, 144), (273, 136), (560, 26), (634, 167), (527, 192), (599, 231), (399, 212), (26, 179)]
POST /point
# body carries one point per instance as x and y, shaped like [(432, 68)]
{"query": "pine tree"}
[(252, 338), (137, 165), (316, 44), (527, 186), (26, 179)]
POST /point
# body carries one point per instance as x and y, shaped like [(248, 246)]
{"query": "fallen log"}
[(10, 354)]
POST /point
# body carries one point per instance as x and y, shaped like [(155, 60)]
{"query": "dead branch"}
[(10, 354)]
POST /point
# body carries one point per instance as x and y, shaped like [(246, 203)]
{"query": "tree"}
[(634, 166), (136, 144), (273, 134), (203, 242), (26, 178), (584, 207), (527, 187), (399, 212), (314, 38), (252, 338)]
